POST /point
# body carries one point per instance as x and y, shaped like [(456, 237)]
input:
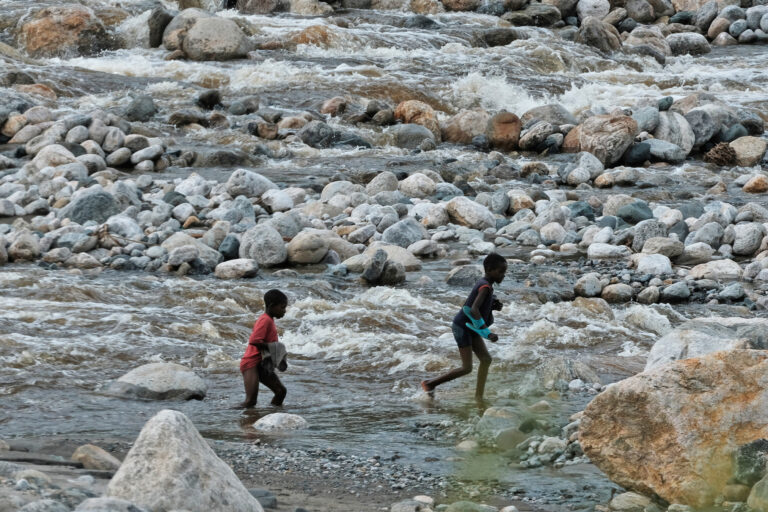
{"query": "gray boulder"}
[(93, 204), (405, 232), (159, 381), (264, 244), (410, 136), (215, 39)]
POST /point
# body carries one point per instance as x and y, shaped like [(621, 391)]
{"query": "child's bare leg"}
[(272, 381), (466, 368), (478, 347), (251, 384)]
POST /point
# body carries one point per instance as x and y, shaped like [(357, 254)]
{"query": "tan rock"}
[(316, 35), (426, 7), (756, 185), (93, 457), (717, 27), (466, 212), (334, 106), (605, 181), (418, 112), (504, 131), (572, 142), (673, 430), (519, 200), (461, 5), (718, 269), (465, 125), (607, 137), (64, 30), (307, 247), (38, 90), (14, 124), (749, 150)]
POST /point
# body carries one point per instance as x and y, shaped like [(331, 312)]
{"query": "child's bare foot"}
[(244, 405), (430, 390)]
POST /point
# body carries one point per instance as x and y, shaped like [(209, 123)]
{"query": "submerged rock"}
[(159, 381)]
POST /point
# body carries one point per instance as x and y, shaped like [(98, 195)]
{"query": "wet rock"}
[(504, 131), (93, 457), (159, 381), (617, 293), (93, 204), (629, 502), (666, 151), (67, 30), (599, 34), (724, 39), (264, 244), (596, 8), (280, 421), (532, 138), (466, 212), (688, 43), (170, 466), (674, 128), (717, 270), (756, 185), (719, 26), (176, 30), (240, 268), (25, 247), (410, 136), (375, 266), (649, 295), (383, 182), (307, 248), (705, 15), (647, 119), (677, 292), (732, 292), (703, 126), (404, 233), (685, 433), (141, 109), (159, 18), (248, 183), (417, 112), (749, 150), (215, 39), (748, 238), (464, 126), (635, 212), (607, 137), (393, 274), (588, 286), (465, 275), (554, 114), (539, 15)]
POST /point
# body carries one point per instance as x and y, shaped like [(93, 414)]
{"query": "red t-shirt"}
[(264, 331)]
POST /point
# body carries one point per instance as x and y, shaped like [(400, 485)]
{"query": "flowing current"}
[(357, 354)]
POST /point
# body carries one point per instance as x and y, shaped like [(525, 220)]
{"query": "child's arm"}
[(482, 295)]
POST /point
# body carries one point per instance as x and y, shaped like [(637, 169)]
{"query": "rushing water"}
[(357, 354)]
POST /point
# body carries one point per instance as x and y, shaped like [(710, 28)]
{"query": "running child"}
[(481, 303), (264, 331)]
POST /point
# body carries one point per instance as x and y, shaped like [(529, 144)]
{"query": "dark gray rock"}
[(646, 230), (750, 462), (734, 132), (637, 154), (683, 17), (404, 232), (666, 151), (420, 21), (738, 27), (209, 99), (393, 274), (635, 212), (703, 126), (97, 206), (265, 498), (666, 102), (706, 15), (141, 109), (230, 247), (555, 114), (375, 267), (627, 25), (581, 209), (410, 136), (647, 119), (675, 292), (159, 18), (751, 121), (733, 13)]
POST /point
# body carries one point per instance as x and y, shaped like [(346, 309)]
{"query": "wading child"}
[(264, 331), (481, 303)]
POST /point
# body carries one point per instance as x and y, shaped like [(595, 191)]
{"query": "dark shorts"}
[(462, 335)]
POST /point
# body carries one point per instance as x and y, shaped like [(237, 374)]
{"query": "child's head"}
[(495, 266), (275, 303)]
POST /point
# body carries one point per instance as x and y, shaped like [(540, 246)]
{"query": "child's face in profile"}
[(278, 310), (498, 273)]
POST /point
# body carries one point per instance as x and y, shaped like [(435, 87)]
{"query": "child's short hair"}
[(274, 298), (493, 261)]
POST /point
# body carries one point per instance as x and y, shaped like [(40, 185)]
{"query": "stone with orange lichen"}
[(334, 106), (63, 31), (504, 131), (465, 125), (316, 35), (37, 89), (672, 431), (418, 112), (756, 185)]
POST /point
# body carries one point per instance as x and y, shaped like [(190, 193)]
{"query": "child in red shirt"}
[(264, 331)]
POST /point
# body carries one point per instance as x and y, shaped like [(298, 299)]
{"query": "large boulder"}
[(264, 244), (688, 43), (749, 150), (466, 212), (673, 431), (599, 34), (171, 467), (504, 131), (719, 269), (553, 113), (215, 39), (67, 30), (404, 233), (175, 32), (159, 381), (307, 247), (701, 336), (606, 136)]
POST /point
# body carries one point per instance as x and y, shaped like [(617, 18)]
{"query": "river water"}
[(357, 354)]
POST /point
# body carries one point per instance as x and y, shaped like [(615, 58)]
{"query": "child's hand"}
[(496, 305), (493, 337)]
